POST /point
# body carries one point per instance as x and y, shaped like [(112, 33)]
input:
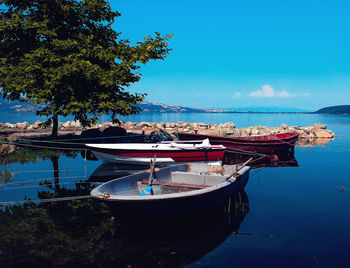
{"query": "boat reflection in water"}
[(107, 172), (284, 158), (185, 239), (83, 234)]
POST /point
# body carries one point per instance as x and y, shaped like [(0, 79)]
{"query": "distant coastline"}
[(153, 107)]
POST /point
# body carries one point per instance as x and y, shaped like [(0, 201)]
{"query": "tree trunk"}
[(54, 125), (56, 173)]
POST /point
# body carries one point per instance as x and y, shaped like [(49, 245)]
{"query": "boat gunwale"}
[(171, 196), (255, 140)]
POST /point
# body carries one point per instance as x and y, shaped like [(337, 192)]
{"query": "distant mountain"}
[(270, 109), (154, 107), (340, 109), (151, 107), (17, 106)]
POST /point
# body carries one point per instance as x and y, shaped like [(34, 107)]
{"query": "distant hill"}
[(340, 109), (151, 107), (154, 107)]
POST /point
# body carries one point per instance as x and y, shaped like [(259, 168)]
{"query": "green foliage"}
[(25, 155), (5, 175), (65, 54)]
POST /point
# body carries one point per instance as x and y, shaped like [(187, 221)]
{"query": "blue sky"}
[(232, 54)]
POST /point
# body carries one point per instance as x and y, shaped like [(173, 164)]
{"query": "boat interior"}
[(195, 177), (172, 179)]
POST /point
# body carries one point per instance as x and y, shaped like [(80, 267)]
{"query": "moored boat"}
[(177, 190), (143, 153), (267, 144)]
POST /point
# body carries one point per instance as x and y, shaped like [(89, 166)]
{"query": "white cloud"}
[(267, 91), (284, 94), (236, 95)]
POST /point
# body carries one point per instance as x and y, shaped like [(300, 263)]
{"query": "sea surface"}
[(296, 214)]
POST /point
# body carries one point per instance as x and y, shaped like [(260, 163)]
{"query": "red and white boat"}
[(267, 144), (170, 152)]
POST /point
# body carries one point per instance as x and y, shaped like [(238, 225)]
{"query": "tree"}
[(65, 56)]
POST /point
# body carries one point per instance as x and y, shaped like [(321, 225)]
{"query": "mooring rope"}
[(63, 141), (48, 200), (42, 179), (43, 147), (44, 185)]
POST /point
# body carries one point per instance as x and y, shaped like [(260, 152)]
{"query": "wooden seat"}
[(176, 184)]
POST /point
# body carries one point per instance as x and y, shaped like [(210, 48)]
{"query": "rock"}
[(229, 125), (319, 126), (323, 133), (6, 149), (173, 125), (91, 133), (114, 132), (203, 125), (160, 126), (66, 124), (23, 125), (107, 124), (255, 131), (143, 124), (167, 125), (234, 132), (36, 125), (75, 124), (302, 134), (180, 124), (284, 126)]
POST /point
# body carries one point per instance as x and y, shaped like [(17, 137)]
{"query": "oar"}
[(148, 189), (234, 173)]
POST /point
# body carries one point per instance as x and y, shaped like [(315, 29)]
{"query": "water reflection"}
[(82, 233), (278, 159), (107, 172)]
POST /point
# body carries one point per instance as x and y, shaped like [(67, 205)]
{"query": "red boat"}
[(267, 144), (143, 153)]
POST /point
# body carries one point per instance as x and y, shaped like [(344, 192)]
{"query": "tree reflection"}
[(82, 233)]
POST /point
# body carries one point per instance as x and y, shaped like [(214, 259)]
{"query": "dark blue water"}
[(298, 216)]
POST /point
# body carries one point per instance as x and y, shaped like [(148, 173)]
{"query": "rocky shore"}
[(308, 135)]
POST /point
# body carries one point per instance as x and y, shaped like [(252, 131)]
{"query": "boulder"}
[(107, 124), (66, 124), (284, 126), (36, 125), (255, 131), (114, 132), (323, 134), (143, 124), (319, 126), (75, 124), (23, 125), (233, 132), (160, 126), (229, 125), (91, 133)]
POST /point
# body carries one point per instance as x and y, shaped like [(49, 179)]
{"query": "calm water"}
[(297, 216)]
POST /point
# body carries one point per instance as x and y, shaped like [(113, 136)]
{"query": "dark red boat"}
[(267, 144)]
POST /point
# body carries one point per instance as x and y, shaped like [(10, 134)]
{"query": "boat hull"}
[(163, 156), (131, 212), (135, 209), (262, 144)]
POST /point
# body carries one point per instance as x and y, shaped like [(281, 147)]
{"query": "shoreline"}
[(228, 129)]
